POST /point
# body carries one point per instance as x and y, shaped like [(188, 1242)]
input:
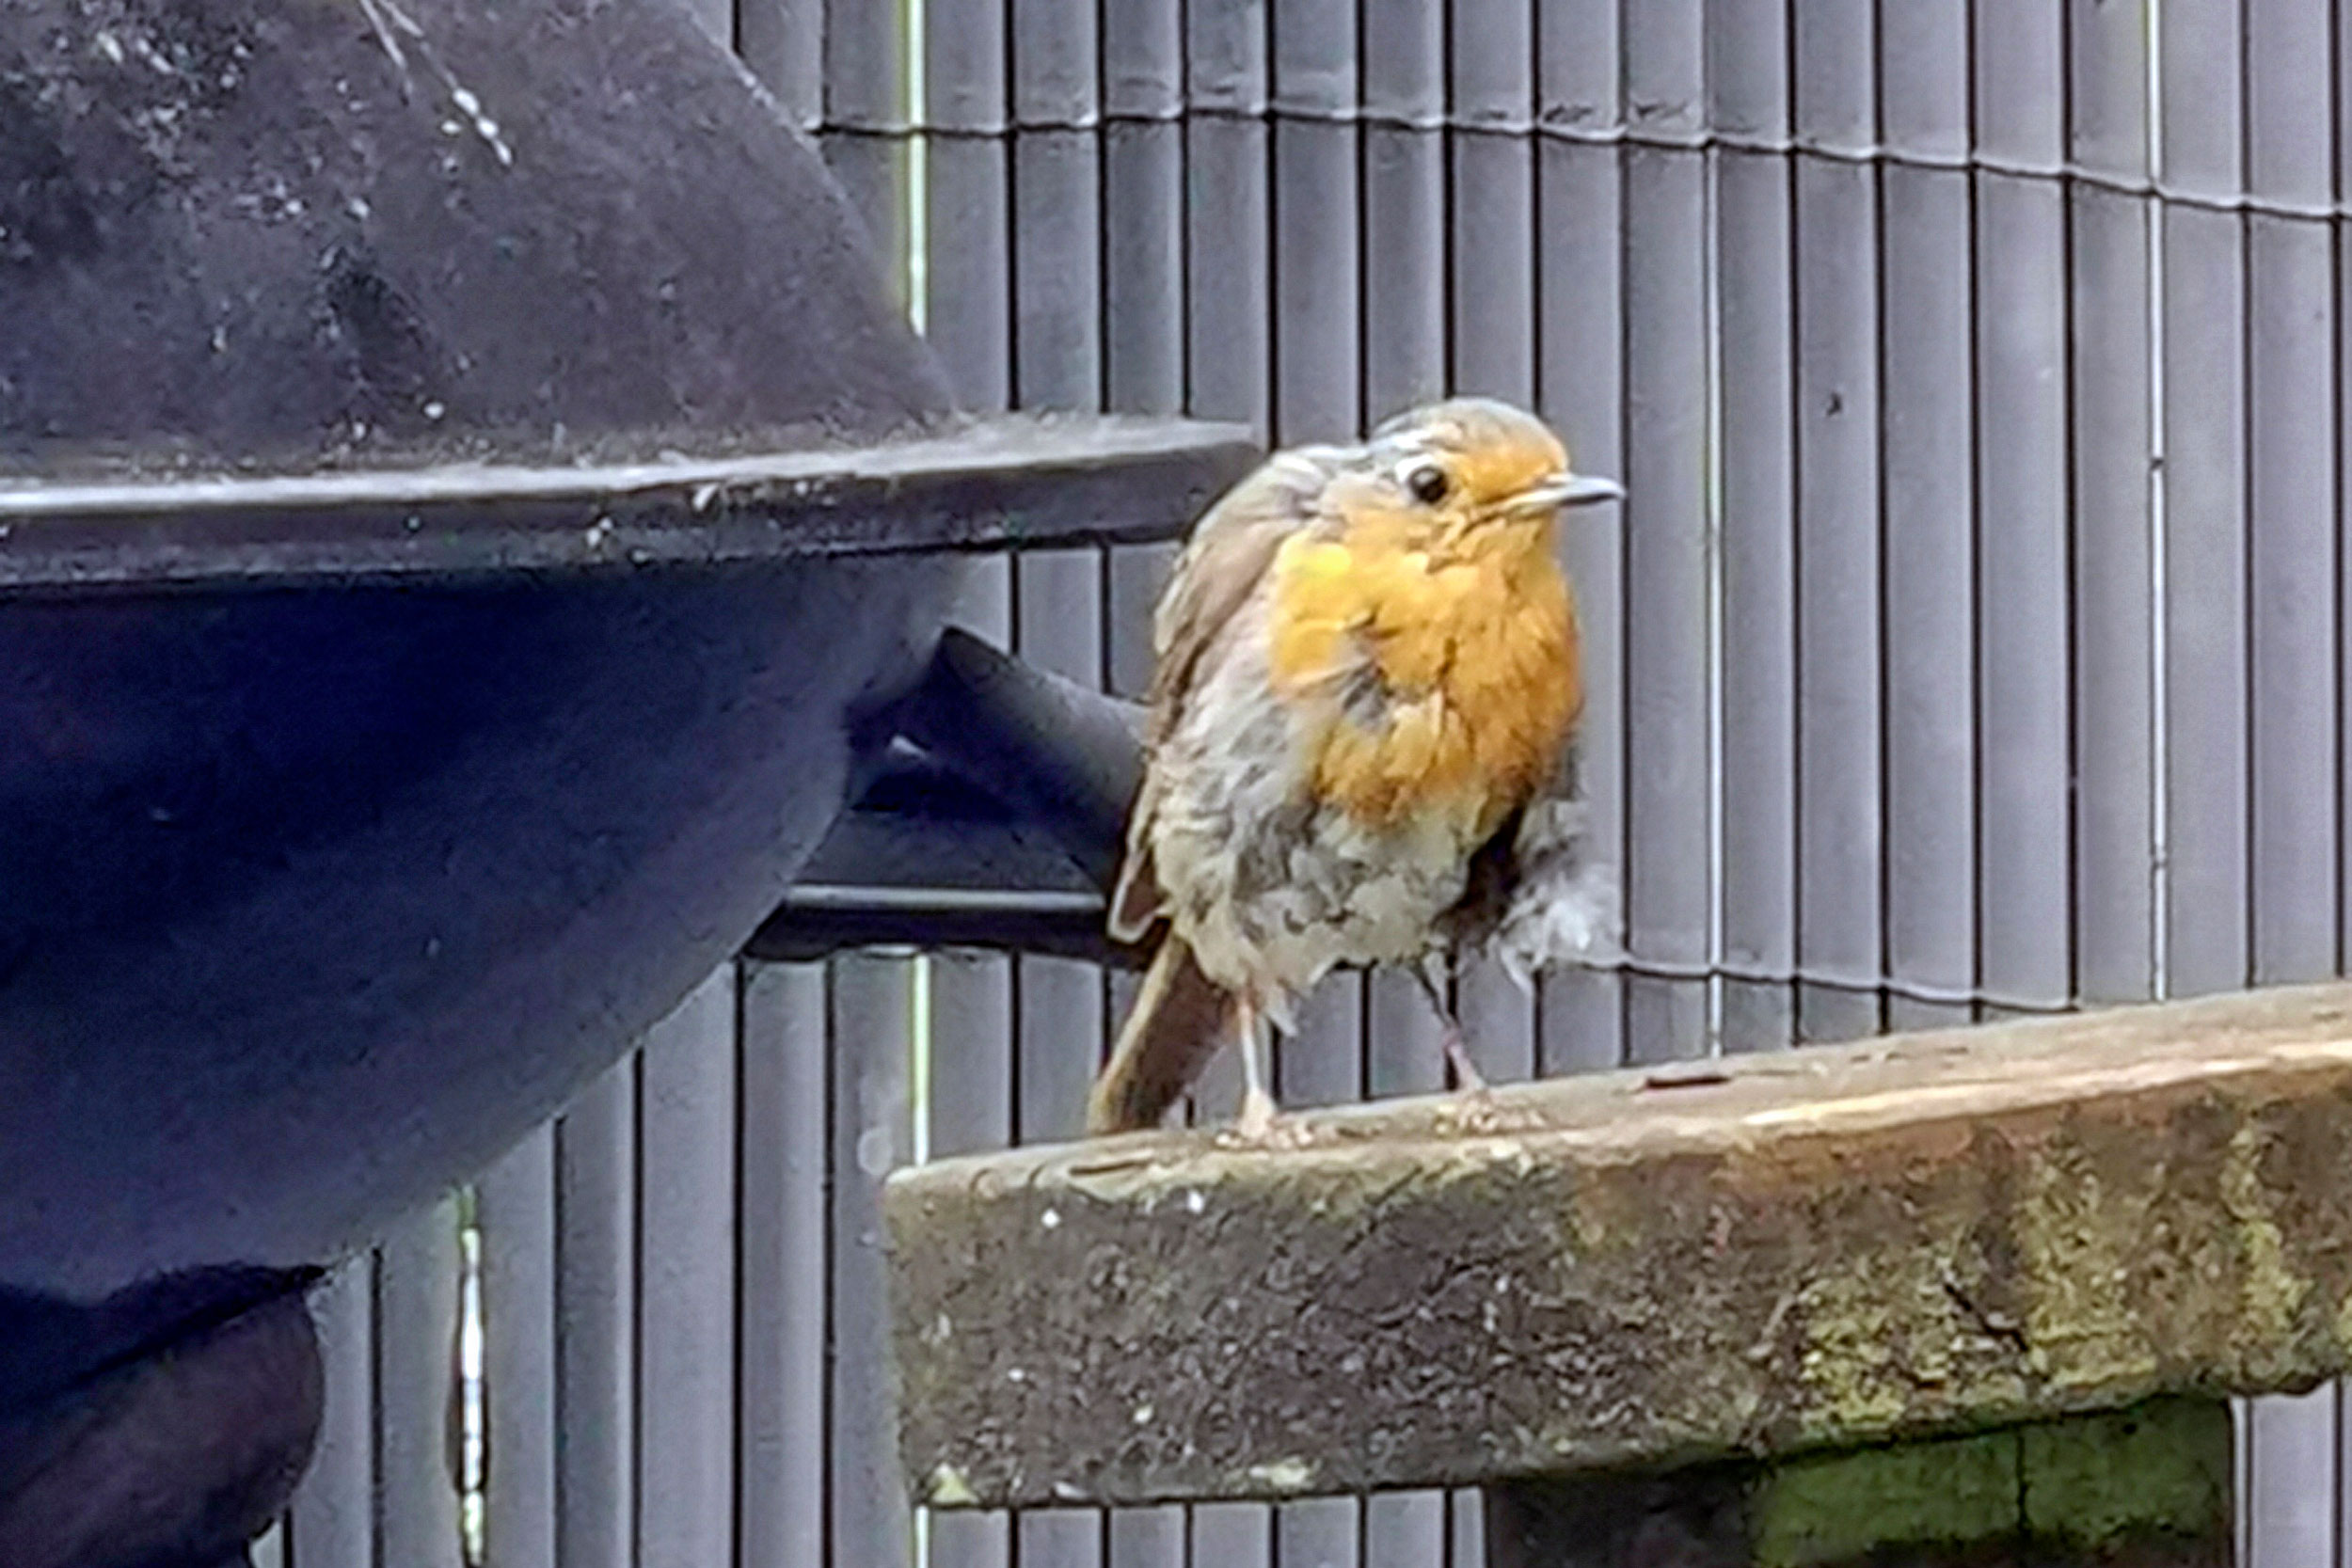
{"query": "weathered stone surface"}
[(1832, 1247)]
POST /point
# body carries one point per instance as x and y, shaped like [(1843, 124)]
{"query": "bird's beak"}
[(1566, 490), (1588, 489)]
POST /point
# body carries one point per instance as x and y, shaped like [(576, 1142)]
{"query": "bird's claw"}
[(1261, 1126), (1473, 1111)]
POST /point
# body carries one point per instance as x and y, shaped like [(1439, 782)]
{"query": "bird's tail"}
[(1181, 1017)]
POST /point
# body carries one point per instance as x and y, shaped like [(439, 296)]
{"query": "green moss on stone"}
[(2087, 1482), (2162, 1467), (1840, 1506)]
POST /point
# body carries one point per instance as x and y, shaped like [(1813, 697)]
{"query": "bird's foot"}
[(1472, 1110), (1261, 1126)]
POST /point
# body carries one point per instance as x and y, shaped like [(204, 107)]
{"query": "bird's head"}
[(1468, 465)]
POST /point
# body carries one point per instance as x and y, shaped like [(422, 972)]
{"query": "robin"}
[(1361, 745)]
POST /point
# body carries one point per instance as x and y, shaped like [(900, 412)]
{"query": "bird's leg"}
[(1430, 971), (1260, 1124), (1473, 1109), (1256, 1123)]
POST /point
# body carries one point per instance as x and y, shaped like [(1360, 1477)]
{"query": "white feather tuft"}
[(1564, 907)]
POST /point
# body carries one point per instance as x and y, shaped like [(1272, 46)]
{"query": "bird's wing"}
[(1221, 565)]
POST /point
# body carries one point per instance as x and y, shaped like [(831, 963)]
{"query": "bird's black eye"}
[(1427, 481)]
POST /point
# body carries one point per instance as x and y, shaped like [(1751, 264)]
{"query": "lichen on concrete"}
[(2079, 1329), (2273, 1294), (1851, 1358)]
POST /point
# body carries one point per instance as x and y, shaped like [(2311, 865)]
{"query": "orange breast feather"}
[(1476, 645)]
